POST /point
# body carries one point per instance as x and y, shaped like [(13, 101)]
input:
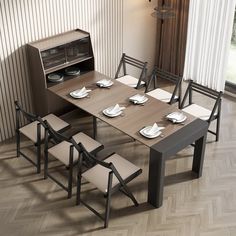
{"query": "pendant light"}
[(163, 12)]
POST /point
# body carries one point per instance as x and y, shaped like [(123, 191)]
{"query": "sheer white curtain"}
[(208, 41)]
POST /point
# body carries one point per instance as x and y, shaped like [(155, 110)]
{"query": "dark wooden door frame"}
[(172, 37)]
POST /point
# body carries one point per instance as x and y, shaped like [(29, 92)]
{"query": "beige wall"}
[(139, 35)]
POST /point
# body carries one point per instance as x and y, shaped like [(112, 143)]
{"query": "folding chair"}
[(161, 94), (200, 111), (125, 78), (35, 131), (109, 176), (62, 150)]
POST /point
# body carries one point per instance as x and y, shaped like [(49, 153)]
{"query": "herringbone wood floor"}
[(30, 205)]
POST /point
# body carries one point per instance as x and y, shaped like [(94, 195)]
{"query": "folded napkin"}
[(137, 98), (81, 92), (115, 109), (153, 130), (175, 116), (104, 82)]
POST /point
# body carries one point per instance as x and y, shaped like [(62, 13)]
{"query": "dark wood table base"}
[(194, 132)]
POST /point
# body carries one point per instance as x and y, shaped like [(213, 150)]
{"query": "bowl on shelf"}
[(55, 77)]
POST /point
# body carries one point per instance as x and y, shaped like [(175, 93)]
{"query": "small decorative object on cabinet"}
[(53, 60)]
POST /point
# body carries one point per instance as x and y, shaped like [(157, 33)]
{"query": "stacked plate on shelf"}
[(72, 71), (55, 77)]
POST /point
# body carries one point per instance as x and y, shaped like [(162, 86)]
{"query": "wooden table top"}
[(135, 116)]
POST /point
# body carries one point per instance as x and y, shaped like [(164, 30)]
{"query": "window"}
[(231, 70)]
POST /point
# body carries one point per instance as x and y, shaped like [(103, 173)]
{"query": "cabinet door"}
[(53, 57), (79, 49)]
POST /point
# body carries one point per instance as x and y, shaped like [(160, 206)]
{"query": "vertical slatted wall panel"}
[(25, 21)]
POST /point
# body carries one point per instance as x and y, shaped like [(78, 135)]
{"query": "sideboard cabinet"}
[(54, 60)]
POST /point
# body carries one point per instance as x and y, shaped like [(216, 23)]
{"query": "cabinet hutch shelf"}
[(50, 59)]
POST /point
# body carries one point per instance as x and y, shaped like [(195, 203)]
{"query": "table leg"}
[(94, 127), (198, 156), (156, 178)]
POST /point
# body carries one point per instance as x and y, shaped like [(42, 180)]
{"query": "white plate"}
[(179, 121), (138, 101), (107, 113), (104, 85), (55, 77), (80, 96), (145, 129), (176, 117)]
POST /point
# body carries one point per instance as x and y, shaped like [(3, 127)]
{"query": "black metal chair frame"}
[(175, 79), (30, 118), (133, 62), (56, 137), (217, 96), (88, 158)]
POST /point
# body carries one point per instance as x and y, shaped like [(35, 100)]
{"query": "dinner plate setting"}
[(80, 93), (176, 117), (151, 131), (138, 99), (113, 111), (55, 77), (104, 83)]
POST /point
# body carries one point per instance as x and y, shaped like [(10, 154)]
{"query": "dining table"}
[(174, 137)]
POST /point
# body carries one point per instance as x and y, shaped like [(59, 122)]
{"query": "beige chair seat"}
[(161, 95), (129, 80), (30, 130), (61, 151), (98, 175), (198, 111)]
